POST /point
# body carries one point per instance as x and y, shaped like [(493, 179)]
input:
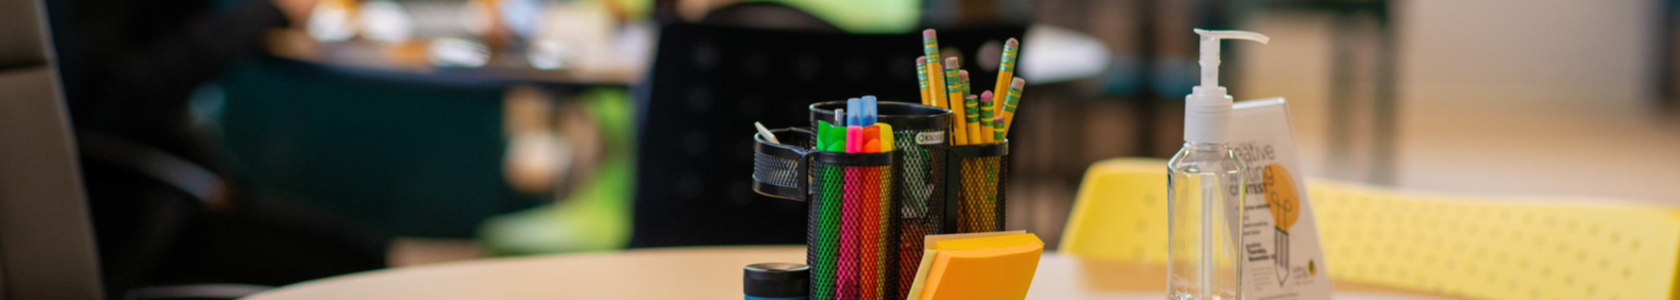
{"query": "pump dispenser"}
[(1207, 111), (1205, 189)]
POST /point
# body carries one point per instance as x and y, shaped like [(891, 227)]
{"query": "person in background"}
[(163, 211)]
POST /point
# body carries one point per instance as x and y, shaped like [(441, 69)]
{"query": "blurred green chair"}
[(403, 154)]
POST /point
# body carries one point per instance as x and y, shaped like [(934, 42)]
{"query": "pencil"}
[(966, 90), (971, 111), (1006, 70), (986, 127), (953, 87), (936, 84), (1010, 101), (997, 134), (922, 80)]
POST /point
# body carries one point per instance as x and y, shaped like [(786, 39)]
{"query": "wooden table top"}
[(700, 273)]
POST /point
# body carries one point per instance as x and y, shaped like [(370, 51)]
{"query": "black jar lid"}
[(777, 280)]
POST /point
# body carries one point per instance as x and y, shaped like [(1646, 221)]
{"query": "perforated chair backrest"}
[(46, 244), (710, 83), (1484, 248)]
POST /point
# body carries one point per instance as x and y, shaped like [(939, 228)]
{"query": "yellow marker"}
[(922, 80), (886, 137), (1010, 101), (953, 92), (1006, 70)]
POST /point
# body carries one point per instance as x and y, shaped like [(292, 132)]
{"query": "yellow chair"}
[(1451, 245)]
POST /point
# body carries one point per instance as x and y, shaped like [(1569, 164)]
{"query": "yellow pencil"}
[(922, 80), (936, 84), (1006, 69), (953, 92), (966, 90), (1010, 101), (971, 109), (986, 127)]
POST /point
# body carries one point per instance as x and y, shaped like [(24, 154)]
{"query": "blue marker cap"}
[(854, 112), (870, 110)]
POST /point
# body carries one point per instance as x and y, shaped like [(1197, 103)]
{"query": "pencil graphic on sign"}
[(1284, 203)]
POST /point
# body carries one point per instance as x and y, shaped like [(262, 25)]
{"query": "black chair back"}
[(710, 83)]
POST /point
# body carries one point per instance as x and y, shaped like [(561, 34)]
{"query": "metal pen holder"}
[(975, 181)]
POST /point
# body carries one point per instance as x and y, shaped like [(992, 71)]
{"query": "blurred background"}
[(273, 141)]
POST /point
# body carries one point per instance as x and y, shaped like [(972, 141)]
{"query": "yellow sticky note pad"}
[(991, 266)]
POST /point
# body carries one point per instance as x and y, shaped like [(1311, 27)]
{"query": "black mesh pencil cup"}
[(920, 139), (975, 187), (780, 169), (851, 238)]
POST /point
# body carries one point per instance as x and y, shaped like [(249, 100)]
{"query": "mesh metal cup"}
[(919, 138), (975, 184), (851, 234), (779, 169)]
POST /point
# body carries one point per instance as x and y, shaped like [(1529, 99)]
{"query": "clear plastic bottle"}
[(1204, 183), (1205, 216)]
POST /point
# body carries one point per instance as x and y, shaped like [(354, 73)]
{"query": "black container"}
[(919, 135), (851, 238), (975, 184), (852, 231), (775, 281), (779, 170)]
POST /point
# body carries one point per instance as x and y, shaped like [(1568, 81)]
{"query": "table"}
[(698, 273)]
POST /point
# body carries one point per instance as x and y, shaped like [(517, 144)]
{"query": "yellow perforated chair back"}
[(1484, 248), (1120, 212)]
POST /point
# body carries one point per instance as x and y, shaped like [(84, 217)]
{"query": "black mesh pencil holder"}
[(851, 237), (780, 170), (919, 138), (975, 187)]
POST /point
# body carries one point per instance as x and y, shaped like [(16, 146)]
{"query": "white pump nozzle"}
[(1207, 113)]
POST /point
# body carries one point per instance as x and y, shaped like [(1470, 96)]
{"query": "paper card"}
[(1282, 257)]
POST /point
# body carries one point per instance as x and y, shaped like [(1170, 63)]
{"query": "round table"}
[(698, 273)]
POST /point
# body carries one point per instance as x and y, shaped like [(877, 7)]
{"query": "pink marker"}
[(854, 139)]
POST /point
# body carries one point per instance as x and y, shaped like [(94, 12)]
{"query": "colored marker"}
[(854, 139), (870, 110)]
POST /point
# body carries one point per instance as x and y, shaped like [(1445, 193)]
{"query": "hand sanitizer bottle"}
[(1204, 182)]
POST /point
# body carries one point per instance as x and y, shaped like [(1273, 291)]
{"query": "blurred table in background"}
[(417, 57), (701, 273)]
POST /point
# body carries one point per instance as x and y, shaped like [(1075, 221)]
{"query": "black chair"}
[(710, 83)]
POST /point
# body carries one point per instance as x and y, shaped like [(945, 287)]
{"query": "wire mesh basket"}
[(780, 169), (975, 181), (920, 139), (851, 234)]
